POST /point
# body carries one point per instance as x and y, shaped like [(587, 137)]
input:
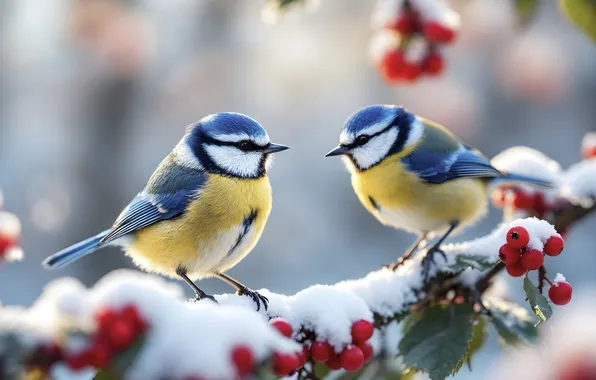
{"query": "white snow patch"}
[(10, 226), (579, 183), (558, 278)]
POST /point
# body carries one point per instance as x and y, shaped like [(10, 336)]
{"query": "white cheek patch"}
[(416, 132), (184, 156), (261, 140), (235, 161), (375, 150)]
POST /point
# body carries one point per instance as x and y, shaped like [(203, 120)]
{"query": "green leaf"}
[(512, 322), (465, 261), (439, 340), (582, 13), (321, 370), (525, 10), (478, 339), (539, 304)]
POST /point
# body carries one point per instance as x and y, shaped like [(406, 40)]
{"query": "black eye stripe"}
[(236, 144), (356, 144)]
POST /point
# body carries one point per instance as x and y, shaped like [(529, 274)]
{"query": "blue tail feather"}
[(511, 177), (75, 251)]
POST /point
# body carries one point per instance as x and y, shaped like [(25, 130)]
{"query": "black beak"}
[(337, 151), (274, 148)]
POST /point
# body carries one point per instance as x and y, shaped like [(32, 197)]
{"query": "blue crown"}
[(227, 123), (370, 115)]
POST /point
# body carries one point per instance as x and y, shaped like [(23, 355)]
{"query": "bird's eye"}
[(362, 139), (244, 145)]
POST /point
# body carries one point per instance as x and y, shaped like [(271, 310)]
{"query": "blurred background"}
[(95, 93)]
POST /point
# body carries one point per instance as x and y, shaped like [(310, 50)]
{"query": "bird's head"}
[(373, 133), (227, 143)]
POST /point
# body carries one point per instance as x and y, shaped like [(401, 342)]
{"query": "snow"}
[(579, 183), (382, 42), (558, 278), (385, 12), (213, 330), (528, 161), (10, 226), (14, 254), (439, 11), (588, 142)]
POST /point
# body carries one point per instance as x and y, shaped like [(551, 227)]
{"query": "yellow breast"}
[(212, 234), (400, 199)]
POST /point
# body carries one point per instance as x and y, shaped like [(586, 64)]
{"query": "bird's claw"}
[(429, 259), (256, 297), (202, 296)]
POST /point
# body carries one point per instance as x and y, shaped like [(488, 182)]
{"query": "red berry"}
[(560, 293), (120, 335), (532, 259), (6, 242), (105, 319), (303, 356), (77, 361), (522, 201), (509, 255), (243, 360), (98, 355), (131, 315), (334, 362), (538, 203), (589, 152), (438, 33), (282, 326), (367, 350), (362, 331), (554, 245), (518, 237), (283, 364), (412, 71), (516, 270), (393, 66), (405, 23), (352, 358), (321, 351), (433, 64)]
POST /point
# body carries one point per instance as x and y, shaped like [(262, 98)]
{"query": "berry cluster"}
[(411, 38), (516, 198), (116, 331), (351, 358), (519, 259), (10, 233)]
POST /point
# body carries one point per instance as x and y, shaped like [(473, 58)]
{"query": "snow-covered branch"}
[(138, 326)]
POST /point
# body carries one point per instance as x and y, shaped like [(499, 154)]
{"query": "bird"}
[(202, 210), (414, 174)]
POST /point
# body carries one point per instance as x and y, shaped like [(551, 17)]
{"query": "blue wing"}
[(166, 196), (438, 167)]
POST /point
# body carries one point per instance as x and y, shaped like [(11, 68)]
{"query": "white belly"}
[(409, 220), (224, 252)]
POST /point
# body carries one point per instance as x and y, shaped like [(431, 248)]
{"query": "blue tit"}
[(202, 210), (415, 175)]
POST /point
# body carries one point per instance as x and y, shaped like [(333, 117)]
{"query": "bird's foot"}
[(202, 295), (256, 297), (429, 260), (397, 263)]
